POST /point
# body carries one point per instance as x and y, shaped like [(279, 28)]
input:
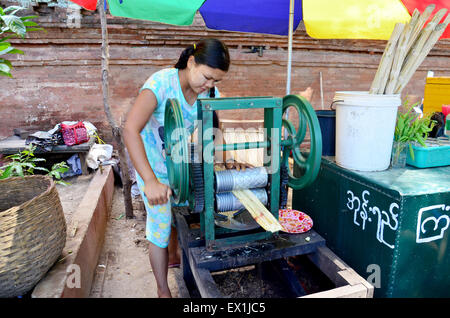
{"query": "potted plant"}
[(411, 126)]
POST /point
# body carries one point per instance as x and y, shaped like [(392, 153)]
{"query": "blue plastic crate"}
[(436, 154)]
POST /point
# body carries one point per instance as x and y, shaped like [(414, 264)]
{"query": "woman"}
[(199, 68)]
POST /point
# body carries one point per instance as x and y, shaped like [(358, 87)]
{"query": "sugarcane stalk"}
[(379, 81), (433, 38), (400, 53), (419, 25), (417, 51)]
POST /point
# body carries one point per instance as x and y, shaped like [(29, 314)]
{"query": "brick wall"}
[(59, 77)]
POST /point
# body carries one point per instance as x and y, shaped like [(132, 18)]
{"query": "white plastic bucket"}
[(365, 125)]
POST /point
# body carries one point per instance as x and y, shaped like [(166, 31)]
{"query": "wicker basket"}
[(32, 232)]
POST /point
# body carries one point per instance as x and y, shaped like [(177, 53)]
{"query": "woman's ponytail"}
[(184, 57)]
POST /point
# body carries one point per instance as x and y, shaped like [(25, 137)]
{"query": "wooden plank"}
[(353, 278), (204, 281), (83, 163), (279, 246), (330, 265), (348, 291), (186, 271), (338, 271), (14, 144), (235, 238)]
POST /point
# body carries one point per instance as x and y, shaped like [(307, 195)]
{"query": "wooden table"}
[(15, 144)]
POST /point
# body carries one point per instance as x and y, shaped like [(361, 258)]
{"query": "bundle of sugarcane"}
[(257, 210), (406, 49)]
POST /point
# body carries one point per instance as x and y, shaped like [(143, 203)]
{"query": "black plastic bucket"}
[(327, 121)]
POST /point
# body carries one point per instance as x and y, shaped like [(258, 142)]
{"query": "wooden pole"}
[(116, 130)]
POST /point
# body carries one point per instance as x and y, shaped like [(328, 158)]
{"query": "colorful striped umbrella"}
[(323, 19)]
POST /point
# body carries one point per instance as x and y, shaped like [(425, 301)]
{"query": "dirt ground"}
[(124, 270)]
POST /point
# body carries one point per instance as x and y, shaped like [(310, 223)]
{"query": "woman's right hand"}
[(157, 193)]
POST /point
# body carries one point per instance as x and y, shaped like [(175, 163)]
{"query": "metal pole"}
[(321, 90), (290, 35)]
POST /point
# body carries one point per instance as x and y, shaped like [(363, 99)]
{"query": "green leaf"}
[(28, 164), (42, 169), (16, 51), (4, 68), (12, 9), (7, 37), (15, 24), (7, 50), (62, 182), (19, 170), (6, 173), (36, 159), (5, 74), (29, 24), (4, 61), (420, 140), (56, 174), (4, 46), (29, 17), (400, 124), (411, 152), (14, 157), (36, 29)]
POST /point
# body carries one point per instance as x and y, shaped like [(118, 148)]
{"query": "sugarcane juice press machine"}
[(192, 176)]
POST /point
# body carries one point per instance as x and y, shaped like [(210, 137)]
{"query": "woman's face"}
[(202, 77)]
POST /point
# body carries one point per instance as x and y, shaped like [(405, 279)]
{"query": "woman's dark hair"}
[(210, 52)]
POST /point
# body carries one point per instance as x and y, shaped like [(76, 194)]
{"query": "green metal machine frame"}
[(276, 155)]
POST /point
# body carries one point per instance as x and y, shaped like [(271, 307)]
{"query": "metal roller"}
[(226, 201), (250, 178)]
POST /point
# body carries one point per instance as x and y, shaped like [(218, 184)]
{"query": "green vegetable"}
[(411, 128)]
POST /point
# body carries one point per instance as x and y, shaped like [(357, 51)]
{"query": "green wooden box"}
[(391, 227)]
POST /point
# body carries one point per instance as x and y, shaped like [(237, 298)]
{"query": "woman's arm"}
[(137, 118)]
